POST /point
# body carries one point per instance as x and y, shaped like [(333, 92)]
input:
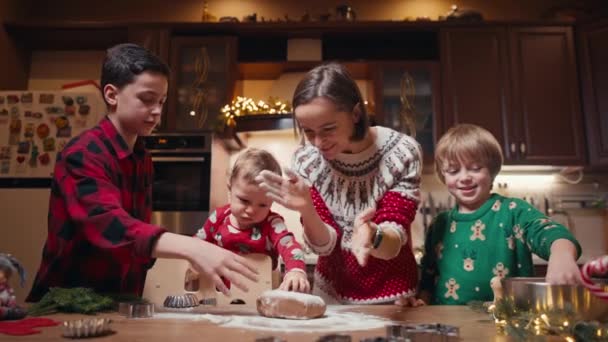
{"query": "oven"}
[(182, 177)]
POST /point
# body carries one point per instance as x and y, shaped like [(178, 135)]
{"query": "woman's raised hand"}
[(291, 191)]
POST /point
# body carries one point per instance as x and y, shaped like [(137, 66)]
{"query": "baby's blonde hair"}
[(251, 162), (470, 143)]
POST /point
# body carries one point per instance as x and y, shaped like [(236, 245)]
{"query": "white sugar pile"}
[(335, 320)]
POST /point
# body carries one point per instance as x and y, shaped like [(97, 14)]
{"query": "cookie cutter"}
[(136, 310), (423, 332), (88, 327)]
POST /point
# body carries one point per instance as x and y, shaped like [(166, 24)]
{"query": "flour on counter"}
[(335, 320)]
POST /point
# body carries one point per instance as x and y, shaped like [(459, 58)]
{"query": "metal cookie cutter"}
[(423, 332), (83, 328), (136, 310)]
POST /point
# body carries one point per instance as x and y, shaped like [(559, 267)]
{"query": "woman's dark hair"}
[(124, 62), (333, 82)]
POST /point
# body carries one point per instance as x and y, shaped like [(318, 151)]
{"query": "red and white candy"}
[(597, 266)]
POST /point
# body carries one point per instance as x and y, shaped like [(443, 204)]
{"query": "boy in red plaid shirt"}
[(99, 235)]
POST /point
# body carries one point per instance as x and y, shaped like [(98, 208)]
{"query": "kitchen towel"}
[(26, 326)]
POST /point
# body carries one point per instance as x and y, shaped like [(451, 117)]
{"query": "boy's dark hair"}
[(333, 82), (123, 62)]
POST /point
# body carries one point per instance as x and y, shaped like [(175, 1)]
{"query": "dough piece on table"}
[(291, 305)]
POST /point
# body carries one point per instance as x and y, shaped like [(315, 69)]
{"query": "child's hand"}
[(295, 281), (363, 232), (410, 301), (563, 270)]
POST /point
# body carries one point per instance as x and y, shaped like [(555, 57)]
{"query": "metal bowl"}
[(535, 294)]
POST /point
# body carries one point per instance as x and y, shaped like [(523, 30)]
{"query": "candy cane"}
[(597, 266)]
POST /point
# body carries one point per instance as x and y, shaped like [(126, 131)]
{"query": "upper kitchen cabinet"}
[(521, 84), (475, 81), (204, 73), (407, 98), (593, 54)]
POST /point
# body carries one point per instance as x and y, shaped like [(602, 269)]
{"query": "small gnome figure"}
[(8, 303), (496, 286)]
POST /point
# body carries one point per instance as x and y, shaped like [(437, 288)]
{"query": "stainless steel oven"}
[(182, 177)]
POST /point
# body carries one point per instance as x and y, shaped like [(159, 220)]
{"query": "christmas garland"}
[(77, 300), (243, 106), (529, 326)]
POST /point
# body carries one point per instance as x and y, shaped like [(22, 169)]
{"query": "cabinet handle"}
[(513, 148), (522, 148)]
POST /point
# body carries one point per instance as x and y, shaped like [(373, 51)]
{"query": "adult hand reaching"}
[(363, 233), (292, 192)]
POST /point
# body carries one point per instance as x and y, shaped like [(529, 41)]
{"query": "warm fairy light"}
[(192, 113), (242, 106)]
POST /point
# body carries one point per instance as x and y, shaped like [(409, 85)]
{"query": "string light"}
[(243, 106)]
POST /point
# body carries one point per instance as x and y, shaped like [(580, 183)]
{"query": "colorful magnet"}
[(48, 144), (21, 166), (15, 112), (37, 115), (3, 112), (34, 156), (43, 131), (84, 110), (61, 122), (5, 153), (54, 110), (20, 159), (24, 147), (14, 131), (44, 159), (81, 100), (29, 130), (64, 132), (67, 100), (12, 99), (46, 98), (2, 100), (5, 166), (70, 110), (27, 98)]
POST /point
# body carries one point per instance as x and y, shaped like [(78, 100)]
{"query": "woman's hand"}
[(410, 301), (291, 192), (363, 234), (295, 281)]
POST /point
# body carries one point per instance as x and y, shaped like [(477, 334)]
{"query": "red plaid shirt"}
[(100, 203)]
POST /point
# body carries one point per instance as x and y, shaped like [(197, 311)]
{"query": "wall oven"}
[(182, 177)]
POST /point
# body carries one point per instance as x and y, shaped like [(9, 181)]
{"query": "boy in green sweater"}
[(485, 234)]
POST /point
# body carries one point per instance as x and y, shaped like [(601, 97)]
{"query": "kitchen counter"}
[(473, 326)]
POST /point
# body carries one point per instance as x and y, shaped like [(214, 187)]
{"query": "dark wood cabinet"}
[(475, 80), (408, 98), (593, 61), (520, 83), (203, 80)]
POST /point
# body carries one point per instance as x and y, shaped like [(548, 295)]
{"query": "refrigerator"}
[(35, 125)]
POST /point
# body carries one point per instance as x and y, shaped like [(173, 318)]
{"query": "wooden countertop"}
[(473, 326)]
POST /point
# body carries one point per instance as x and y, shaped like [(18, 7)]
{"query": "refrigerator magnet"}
[(27, 98), (44, 159), (23, 147), (70, 110), (1, 100), (33, 162), (21, 165), (29, 130), (15, 112), (46, 98), (67, 100), (64, 132), (12, 99), (54, 110), (48, 144), (81, 100), (5, 153), (14, 131), (3, 112), (43, 131), (5, 166), (84, 109)]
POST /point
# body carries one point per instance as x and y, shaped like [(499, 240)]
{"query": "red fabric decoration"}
[(26, 326)]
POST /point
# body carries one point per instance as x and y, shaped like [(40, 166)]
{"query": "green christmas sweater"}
[(463, 252)]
